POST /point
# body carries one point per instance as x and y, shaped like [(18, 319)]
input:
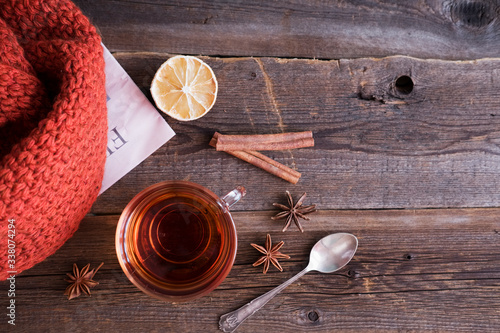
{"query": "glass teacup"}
[(176, 240)]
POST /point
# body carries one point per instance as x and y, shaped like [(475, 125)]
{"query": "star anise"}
[(294, 212), (81, 280), (271, 254)]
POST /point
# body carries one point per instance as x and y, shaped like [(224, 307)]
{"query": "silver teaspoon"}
[(328, 255)]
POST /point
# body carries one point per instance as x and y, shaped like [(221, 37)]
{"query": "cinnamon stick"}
[(280, 141), (261, 161), (273, 162)]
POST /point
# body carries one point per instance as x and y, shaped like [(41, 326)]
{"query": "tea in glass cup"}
[(176, 240)]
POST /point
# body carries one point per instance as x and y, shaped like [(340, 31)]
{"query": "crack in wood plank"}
[(274, 103), (270, 93)]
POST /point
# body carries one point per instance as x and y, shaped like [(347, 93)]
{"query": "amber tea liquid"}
[(177, 239)]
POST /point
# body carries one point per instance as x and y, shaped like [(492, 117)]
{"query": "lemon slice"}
[(184, 87)]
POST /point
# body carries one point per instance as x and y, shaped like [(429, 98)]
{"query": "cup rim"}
[(122, 250)]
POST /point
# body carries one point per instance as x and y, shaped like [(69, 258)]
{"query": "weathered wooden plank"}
[(377, 144), (446, 29), (415, 270)]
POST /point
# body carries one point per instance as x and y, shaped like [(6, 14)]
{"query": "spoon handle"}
[(230, 321)]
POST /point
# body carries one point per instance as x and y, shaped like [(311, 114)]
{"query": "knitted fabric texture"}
[(53, 126)]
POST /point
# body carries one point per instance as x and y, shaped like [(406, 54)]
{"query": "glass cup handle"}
[(234, 196)]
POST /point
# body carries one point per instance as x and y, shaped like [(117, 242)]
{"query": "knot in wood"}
[(313, 316), (474, 14), (403, 85), (409, 256), (353, 274)]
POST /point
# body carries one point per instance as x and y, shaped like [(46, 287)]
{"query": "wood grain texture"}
[(404, 106), (415, 270), (376, 145), (445, 29)]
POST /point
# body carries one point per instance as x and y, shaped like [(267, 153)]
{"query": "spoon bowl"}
[(328, 255), (332, 252)]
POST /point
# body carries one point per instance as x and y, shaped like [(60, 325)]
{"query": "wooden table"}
[(403, 98)]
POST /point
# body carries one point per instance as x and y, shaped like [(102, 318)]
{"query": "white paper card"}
[(135, 128)]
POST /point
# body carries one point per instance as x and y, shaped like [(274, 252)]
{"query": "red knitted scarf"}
[(53, 126)]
